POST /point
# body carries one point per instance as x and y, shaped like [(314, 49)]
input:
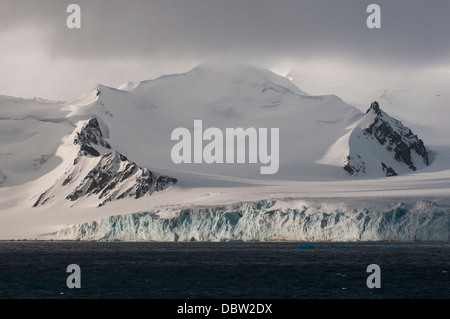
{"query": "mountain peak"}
[(400, 147), (100, 171), (375, 107), (240, 72), (218, 79)]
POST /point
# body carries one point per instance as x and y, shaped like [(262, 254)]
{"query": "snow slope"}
[(317, 134), (222, 97), (420, 99), (30, 133), (100, 173)]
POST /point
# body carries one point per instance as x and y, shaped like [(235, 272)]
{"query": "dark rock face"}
[(356, 167), (41, 200), (91, 134), (375, 107), (396, 138), (388, 170), (113, 177)]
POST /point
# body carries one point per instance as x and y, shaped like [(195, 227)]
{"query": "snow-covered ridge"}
[(270, 221), (89, 136), (224, 73), (79, 175), (100, 172), (315, 143), (381, 145)]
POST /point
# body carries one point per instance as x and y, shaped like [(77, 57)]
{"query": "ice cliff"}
[(271, 221)]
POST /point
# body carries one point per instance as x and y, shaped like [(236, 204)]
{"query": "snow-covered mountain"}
[(106, 177), (419, 100), (230, 96), (319, 135), (380, 142), (108, 153), (222, 97)]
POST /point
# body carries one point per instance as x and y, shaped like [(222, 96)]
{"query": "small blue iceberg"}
[(305, 247)]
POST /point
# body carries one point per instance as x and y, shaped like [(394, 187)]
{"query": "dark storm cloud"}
[(413, 32)]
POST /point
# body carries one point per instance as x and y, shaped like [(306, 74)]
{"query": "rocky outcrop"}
[(90, 134), (108, 177), (399, 143), (115, 177), (397, 138), (388, 170), (355, 167)]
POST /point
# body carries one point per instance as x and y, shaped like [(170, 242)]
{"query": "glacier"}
[(270, 220), (67, 161)]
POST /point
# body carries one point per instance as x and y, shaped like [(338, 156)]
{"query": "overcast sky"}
[(140, 39)]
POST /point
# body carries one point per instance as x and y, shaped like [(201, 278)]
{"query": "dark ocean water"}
[(223, 270)]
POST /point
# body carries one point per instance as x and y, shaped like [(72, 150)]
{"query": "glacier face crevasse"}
[(262, 221)]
